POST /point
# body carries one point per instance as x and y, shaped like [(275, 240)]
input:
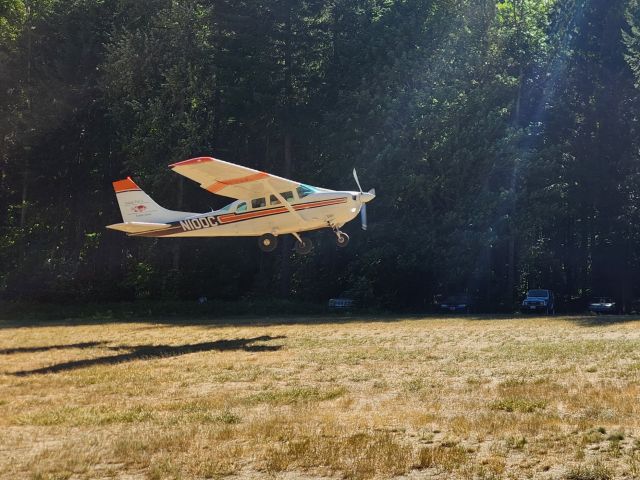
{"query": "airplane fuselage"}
[(314, 211)]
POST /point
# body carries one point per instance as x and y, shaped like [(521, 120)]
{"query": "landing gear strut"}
[(342, 239), (268, 242)]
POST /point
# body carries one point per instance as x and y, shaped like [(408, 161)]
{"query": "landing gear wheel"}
[(303, 247), (342, 239), (268, 242)]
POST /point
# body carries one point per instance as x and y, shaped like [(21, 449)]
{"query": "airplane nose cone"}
[(366, 197)]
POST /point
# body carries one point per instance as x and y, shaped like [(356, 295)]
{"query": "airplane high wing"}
[(230, 180)]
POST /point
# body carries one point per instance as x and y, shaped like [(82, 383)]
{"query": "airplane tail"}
[(137, 206)]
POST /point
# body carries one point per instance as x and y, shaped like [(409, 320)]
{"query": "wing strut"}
[(284, 201)]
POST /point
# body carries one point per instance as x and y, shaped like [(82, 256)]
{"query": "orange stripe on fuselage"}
[(233, 217), (217, 186), (320, 203)]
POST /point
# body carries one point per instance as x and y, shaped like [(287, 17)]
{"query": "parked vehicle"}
[(633, 307), (341, 303), (604, 305), (539, 301), (461, 303)]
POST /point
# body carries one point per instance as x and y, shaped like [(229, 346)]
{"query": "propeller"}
[(364, 198), (355, 176), (363, 216)]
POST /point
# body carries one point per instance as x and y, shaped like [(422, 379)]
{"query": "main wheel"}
[(268, 242), (304, 247), (342, 239)]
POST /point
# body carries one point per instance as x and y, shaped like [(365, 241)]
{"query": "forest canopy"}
[(501, 137)]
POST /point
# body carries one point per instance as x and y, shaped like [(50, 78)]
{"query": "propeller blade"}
[(355, 175), (363, 216)]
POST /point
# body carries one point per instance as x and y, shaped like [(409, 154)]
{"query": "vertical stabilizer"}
[(137, 206)]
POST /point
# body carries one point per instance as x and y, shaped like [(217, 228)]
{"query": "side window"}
[(303, 191), (273, 200), (258, 203), (242, 207), (288, 196)]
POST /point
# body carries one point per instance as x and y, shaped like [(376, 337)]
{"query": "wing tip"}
[(192, 161), (125, 185)]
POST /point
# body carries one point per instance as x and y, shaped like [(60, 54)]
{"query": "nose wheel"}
[(342, 239)]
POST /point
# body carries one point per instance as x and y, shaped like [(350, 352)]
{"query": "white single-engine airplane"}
[(266, 206)]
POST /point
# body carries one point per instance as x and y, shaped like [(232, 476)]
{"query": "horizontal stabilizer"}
[(138, 227)]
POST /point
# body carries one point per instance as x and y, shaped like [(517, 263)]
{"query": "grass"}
[(518, 405), (445, 458), (473, 398), (597, 471), (295, 395)]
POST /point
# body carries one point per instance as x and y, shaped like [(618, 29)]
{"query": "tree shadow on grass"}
[(150, 352), (580, 320), (45, 348), (214, 321), (604, 320)]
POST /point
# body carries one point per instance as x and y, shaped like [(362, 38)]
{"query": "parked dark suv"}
[(461, 303), (539, 301)]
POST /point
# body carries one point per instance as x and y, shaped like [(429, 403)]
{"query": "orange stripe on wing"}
[(219, 185), (216, 187)]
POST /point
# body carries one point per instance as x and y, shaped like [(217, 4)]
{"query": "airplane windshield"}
[(304, 190), (226, 208)]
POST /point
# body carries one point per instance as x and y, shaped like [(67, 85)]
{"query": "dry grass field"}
[(299, 398)]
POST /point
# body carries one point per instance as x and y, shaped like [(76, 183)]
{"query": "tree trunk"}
[(25, 177), (511, 272), (285, 270)]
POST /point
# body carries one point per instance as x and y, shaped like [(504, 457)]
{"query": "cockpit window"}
[(242, 207), (258, 203), (273, 200), (288, 196), (227, 208), (304, 190)]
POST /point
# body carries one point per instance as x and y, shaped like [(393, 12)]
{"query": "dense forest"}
[(501, 137)]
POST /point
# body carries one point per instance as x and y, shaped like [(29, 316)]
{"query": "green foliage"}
[(631, 37), (13, 14), (500, 135), (139, 279)]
